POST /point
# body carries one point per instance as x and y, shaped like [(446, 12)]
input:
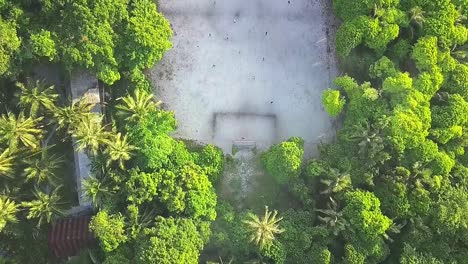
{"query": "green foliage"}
[(425, 53), (109, 229), (407, 128), (393, 197), (453, 112), (333, 102), (397, 87), (43, 45), (211, 159), (283, 161), (9, 44), (150, 136), (146, 36), (20, 131), (411, 256), (274, 252), (230, 237), (90, 134), (353, 256), (349, 36), (107, 37), (142, 187), (450, 214), (42, 167), (44, 207), (382, 69), (263, 230), (37, 98), (8, 210), (118, 149), (366, 221), (458, 82), (399, 50), (300, 235), (169, 241), (96, 191), (321, 255), (137, 106)]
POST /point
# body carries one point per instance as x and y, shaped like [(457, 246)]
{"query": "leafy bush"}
[(43, 45), (109, 229), (283, 161), (333, 102), (170, 241), (211, 158)]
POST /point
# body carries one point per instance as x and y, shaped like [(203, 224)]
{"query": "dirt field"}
[(250, 70)]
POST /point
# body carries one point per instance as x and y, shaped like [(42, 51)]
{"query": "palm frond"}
[(263, 231)]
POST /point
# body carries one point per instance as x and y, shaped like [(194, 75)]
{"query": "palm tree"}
[(6, 163), (368, 138), (8, 210), (118, 149), (96, 191), (137, 106), (333, 218), (90, 134), (417, 19), (263, 231), (42, 168), (460, 53), (44, 207), (15, 130), (69, 117), (336, 182), (393, 230), (416, 15), (36, 97)]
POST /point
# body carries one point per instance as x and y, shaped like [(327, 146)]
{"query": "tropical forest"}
[(390, 186)]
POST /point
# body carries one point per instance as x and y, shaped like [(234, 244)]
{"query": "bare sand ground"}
[(248, 70)]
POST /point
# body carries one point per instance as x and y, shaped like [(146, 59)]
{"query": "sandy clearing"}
[(247, 59)]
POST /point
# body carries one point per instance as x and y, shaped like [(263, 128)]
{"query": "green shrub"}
[(425, 53), (283, 161), (211, 159), (320, 255), (382, 69), (109, 229), (353, 256), (43, 45), (458, 81), (333, 102), (399, 50), (274, 252), (172, 240)]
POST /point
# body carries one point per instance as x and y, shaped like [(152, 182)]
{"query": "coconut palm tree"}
[(42, 168), (137, 106), (16, 130), (393, 230), (417, 19), (8, 210), (333, 218), (416, 15), (118, 149), (44, 207), (68, 117), (460, 53), (6, 163), (263, 231), (37, 97), (90, 134), (336, 182), (96, 191)]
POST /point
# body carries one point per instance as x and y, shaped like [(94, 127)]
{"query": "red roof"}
[(70, 235)]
